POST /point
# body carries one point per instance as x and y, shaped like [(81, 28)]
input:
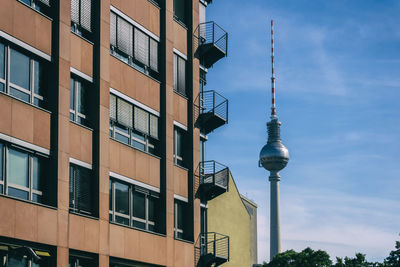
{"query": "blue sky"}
[(338, 88)]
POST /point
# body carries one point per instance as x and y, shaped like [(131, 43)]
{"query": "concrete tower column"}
[(275, 231)]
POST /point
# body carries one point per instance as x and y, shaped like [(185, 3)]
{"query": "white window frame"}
[(74, 111)]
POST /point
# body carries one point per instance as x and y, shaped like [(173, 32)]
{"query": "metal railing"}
[(212, 172), (211, 102), (211, 33), (212, 245)]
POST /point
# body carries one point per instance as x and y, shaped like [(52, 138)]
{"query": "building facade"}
[(103, 117), (235, 216)]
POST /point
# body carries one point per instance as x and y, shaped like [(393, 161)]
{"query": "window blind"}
[(125, 36), (86, 14), (141, 120), (113, 107), (46, 2), (141, 47), (83, 189), (113, 29), (181, 75), (153, 55), (124, 112), (153, 126), (75, 11)]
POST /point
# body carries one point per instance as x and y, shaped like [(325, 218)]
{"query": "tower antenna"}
[(273, 108)]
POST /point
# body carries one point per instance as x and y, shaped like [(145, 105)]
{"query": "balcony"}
[(211, 111), (211, 249), (213, 180), (210, 43)]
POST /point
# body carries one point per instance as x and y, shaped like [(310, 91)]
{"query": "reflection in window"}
[(133, 206), (79, 101), (26, 174), (26, 76)]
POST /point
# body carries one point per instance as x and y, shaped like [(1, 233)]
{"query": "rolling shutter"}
[(83, 187), (141, 120), (113, 107), (153, 54), (141, 47), (113, 29), (153, 126), (124, 112), (46, 2), (75, 11), (125, 36), (86, 14), (181, 75)]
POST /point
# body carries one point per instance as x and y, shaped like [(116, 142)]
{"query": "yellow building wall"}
[(227, 215)]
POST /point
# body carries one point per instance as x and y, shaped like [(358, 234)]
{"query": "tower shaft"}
[(275, 233)]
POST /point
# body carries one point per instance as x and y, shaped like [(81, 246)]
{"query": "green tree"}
[(393, 260)]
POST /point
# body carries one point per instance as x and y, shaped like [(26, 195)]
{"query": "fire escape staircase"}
[(212, 180), (210, 43), (210, 111), (211, 249)]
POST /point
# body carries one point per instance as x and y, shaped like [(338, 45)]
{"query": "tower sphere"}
[(274, 156)]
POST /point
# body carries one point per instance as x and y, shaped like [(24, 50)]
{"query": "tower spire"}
[(273, 108)]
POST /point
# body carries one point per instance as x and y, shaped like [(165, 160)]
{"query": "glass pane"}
[(37, 102), (139, 205), (20, 95), (1, 189), (71, 187), (151, 209), (1, 162), (19, 69), (38, 174), (83, 193), (122, 220), (72, 95), (122, 138), (110, 198), (138, 224), (37, 198), (18, 193), (1, 61), (179, 144), (1, 87), (138, 145), (180, 216), (18, 168), (121, 198), (81, 98), (152, 228), (39, 80), (17, 261), (72, 116), (28, 2)]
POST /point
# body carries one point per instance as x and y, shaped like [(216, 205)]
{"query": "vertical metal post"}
[(213, 31), (215, 243), (213, 102), (214, 172)]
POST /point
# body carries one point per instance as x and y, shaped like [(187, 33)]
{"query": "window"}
[(179, 146), (133, 206), (81, 17), (133, 126), (115, 262), (81, 190), (22, 76), (179, 219), (179, 10), (82, 259), (14, 255), (79, 101), (42, 6), (179, 75), (133, 46), (22, 173)]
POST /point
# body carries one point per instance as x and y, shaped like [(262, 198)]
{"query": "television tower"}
[(273, 157)]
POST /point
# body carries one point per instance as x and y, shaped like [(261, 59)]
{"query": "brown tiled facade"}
[(48, 131)]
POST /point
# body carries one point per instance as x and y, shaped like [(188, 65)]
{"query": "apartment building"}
[(103, 120)]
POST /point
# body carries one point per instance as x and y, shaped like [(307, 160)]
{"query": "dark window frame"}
[(179, 156), (133, 222), (79, 83), (77, 28), (180, 87), (152, 71), (82, 259), (180, 219)]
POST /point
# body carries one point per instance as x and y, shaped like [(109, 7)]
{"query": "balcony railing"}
[(210, 43), (210, 111), (211, 249), (212, 180)]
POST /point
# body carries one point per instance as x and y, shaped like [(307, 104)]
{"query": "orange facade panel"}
[(28, 221), (81, 55), (138, 245), (180, 39), (180, 109), (84, 233), (183, 254), (80, 142), (25, 122), (180, 181), (134, 163), (143, 12), (25, 24), (134, 84)]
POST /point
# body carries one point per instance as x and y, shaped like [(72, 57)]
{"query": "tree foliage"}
[(319, 258)]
